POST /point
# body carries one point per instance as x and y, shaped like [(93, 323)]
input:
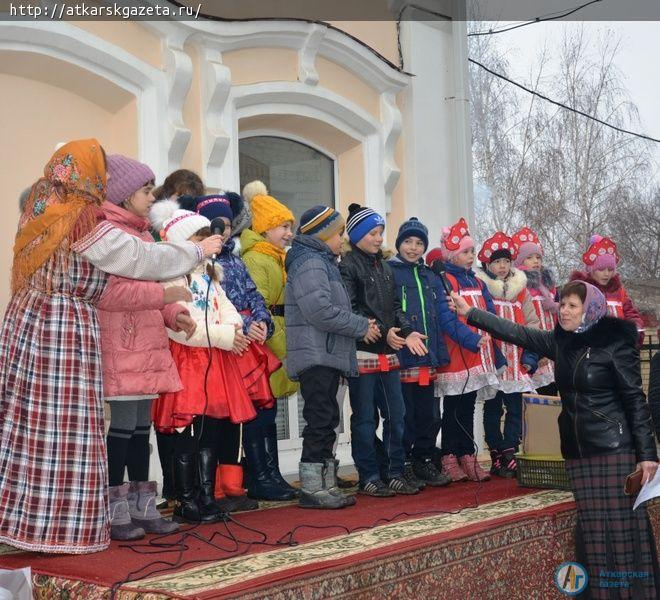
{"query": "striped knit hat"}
[(361, 220), (182, 225), (321, 222)]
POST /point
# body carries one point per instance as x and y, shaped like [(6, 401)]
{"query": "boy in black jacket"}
[(370, 287)]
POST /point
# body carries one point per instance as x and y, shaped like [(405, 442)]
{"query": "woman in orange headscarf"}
[(53, 481)]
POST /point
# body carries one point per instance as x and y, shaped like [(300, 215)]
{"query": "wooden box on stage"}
[(540, 433), (540, 463)]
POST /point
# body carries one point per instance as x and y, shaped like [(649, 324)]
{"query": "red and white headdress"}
[(527, 243), (499, 245), (602, 253), (455, 239)]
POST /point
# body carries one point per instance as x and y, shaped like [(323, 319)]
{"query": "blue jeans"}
[(493, 409), (368, 392)]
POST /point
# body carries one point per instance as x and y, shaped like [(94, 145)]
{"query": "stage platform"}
[(466, 541)]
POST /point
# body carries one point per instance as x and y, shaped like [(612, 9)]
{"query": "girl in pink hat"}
[(601, 260)]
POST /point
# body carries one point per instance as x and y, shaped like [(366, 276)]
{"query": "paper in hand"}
[(650, 490)]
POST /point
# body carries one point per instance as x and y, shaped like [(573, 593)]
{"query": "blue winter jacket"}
[(420, 291), (467, 279), (241, 290)]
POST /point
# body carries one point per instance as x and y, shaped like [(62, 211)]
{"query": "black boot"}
[(186, 509), (495, 462), (273, 460), (509, 468), (260, 484), (209, 510)]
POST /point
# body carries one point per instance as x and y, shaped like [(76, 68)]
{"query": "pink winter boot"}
[(471, 466), (451, 468)]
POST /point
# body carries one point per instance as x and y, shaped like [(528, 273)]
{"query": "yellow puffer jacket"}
[(269, 277)]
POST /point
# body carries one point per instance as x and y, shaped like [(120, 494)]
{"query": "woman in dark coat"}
[(605, 429)]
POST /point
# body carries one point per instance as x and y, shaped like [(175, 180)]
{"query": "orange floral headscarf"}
[(62, 204)]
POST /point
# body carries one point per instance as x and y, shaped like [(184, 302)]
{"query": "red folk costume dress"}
[(53, 465), (513, 303), (543, 290), (467, 371)]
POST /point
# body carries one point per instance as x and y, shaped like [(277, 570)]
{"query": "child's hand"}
[(373, 333), (241, 342), (393, 340), (211, 245), (257, 332), (543, 362), (416, 345), (458, 305), (484, 340), (186, 323), (176, 293)]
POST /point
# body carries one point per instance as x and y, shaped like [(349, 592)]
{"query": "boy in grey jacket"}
[(321, 332)]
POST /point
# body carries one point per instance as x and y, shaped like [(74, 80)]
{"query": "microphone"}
[(438, 268), (217, 228)]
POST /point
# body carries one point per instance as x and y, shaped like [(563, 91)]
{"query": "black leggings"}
[(207, 432)]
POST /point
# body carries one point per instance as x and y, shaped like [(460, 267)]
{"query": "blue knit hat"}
[(321, 222), (361, 220), (412, 227), (214, 205)]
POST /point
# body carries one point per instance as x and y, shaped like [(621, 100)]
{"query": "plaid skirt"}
[(53, 474), (614, 543)]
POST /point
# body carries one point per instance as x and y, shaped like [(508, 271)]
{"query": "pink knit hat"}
[(601, 254), (125, 177), (455, 239), (528, 244)]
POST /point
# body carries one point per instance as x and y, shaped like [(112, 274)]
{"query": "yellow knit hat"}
[(267, 212)]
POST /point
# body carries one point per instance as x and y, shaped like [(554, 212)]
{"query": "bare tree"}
[(554, 170)]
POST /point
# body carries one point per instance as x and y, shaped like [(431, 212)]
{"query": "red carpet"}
[(91, 576)]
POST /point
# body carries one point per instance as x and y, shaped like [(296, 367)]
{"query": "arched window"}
[(300, 177), (295, 173)]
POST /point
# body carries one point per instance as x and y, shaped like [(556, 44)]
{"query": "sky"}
[(638, 59)]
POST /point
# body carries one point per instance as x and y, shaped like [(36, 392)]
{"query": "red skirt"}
[(257, 365), (235, 385)]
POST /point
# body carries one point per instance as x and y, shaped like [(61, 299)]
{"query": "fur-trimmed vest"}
[(542, 287), (513, 302)]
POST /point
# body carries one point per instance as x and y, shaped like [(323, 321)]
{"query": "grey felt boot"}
[(332, 481), (313, 491), (143, 511), (121, 526)]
